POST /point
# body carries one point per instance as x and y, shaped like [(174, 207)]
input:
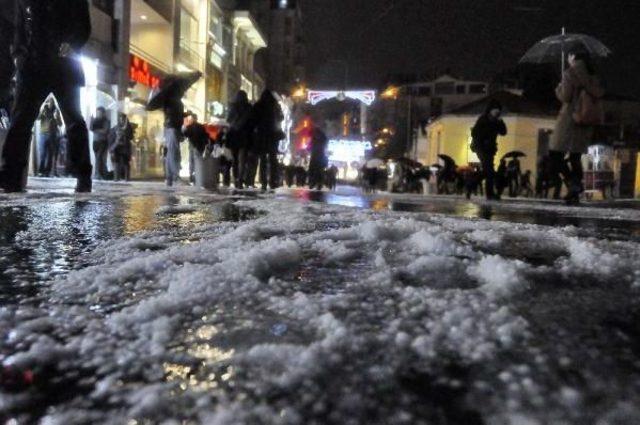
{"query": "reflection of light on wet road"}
[(457, 207)]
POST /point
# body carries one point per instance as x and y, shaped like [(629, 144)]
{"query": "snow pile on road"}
[(311, 314)]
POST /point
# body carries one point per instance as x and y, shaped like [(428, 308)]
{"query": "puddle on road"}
[(595, 226)]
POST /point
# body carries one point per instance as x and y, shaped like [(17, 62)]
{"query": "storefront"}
[(146, 161)]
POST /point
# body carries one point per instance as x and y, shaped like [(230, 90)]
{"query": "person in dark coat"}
[(332, 177), (513, 177), (319, 159), (48, 138), (485, 134), (266, 117), (101, 126), (6, 62), (48, 34), (120, 148), (239, 135), (500, 178)]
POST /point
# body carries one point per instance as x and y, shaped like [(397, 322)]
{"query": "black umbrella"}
[(514, 154), (550, 49), (448, 161), (172, 87)]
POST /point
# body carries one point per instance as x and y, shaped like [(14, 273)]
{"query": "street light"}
[(390, 92), (300, 92)]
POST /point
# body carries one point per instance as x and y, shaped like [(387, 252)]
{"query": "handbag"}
[(588, 109)]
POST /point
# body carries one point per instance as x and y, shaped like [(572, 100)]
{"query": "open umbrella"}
[(448, 161), (173, 86), (514, 154), (550, 49)]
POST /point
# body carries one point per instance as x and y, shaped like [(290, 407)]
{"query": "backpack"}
[(588, 110)]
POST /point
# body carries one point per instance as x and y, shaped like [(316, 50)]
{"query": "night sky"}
[(474, 39)]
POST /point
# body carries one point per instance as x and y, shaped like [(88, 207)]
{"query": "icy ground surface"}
[(138, 304)]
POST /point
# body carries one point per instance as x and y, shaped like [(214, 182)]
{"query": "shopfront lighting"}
[(143, 17)]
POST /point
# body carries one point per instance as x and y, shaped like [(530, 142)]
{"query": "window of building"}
[(477, 88), (461, 89), (188, 37), (444, 89), (424, 91)]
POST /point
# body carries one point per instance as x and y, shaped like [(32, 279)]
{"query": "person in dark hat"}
[(48, 36), (485, 134)]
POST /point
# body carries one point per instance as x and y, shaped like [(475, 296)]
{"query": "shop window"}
[(444, 88)]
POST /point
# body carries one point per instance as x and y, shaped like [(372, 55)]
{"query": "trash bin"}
[(207, 172)]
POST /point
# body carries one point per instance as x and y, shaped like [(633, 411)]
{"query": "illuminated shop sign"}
[(143, 73)]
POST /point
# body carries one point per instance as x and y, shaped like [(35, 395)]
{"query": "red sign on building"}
[(141, 72)]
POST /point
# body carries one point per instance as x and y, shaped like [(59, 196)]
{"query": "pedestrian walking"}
[(47, 37), (525, 184), (485, 134), (332, 177), (50, 123), (239, 136), (120, 148), (319, 160), (169, 98), (266, 117), (580, 93), (100, 126), (500, 179), (513, 177)]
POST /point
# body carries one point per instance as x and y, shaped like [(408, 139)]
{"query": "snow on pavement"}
[(317, 314)]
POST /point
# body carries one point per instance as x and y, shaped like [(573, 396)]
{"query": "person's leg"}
[(274, 180), (489, 174), (42, 148), (263, 170), (577, 174), (49, 152), (68, 97), (30, 93)]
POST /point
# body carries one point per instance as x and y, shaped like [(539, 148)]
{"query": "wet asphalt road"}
[(41, 241)]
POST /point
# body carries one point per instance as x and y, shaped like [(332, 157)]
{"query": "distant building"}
[(529, 127), (281, 22)]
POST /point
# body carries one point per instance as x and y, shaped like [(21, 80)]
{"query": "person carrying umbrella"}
[(485, 134), (580, 93), (169, 99)]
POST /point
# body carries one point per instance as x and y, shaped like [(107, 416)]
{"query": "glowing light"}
[(348, 150), (365, 96), (143, 17), (300, 92), (390, 93)]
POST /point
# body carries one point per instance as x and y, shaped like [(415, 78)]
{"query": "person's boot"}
[(84, 184), (10, 181)]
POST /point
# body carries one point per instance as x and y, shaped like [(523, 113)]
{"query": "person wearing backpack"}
[(581, 95)]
